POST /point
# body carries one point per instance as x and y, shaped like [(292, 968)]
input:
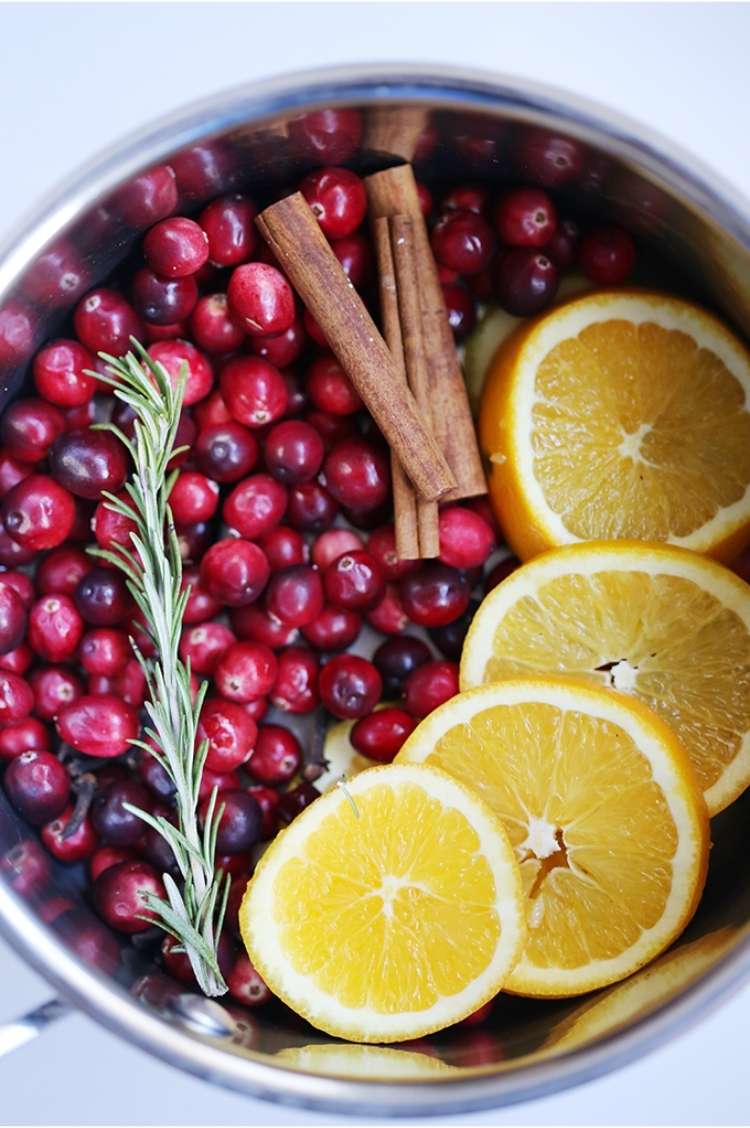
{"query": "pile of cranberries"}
[(283, 513)]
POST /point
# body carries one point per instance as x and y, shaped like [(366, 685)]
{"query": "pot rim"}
[(673, 168)]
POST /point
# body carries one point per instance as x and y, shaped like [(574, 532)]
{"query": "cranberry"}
[(102, 597), (296, 688), (466, 197), (234, 571), (380, 735), (450, 638), (562, 248), (246, 671), (281, 349), (350, 686), (311, 508), (388, 615), (255, 624), (194, 497), (75, 847), (174, 356), (261, 299), (21, 585), (355, 256), (204, 645), (12, 619), (499, 572), (525, 217), (11, 472), (277, 755), (607, 255), (354, 581), (424, 196), (55, 628), (329, 136), (334, 543), (177, 963), (104, 322), (239, 823), (121, 895), (330, 389), (229, 226), (293, 802), (26, 868), (435, 595), (129, 684), (111, 528), (254, 391), (226, 452), (12, 554), (204, 170), (357, 474), (268, 800), (18, 327), (23, 736), (149, 197), (37, 785), (283, 547), (337, 198), (200, 605), (526, 281), (17, 661), (460, 307), (87, 462), (466, 540), (548, 159), (213, 325), (255, 506), (60, 374), (295, 595), (463, 241), (57, 277), (111, 819), (211, 411), (104, 651), (381, 544), (245, 984), (222, 781), (293, 452), (54, 688), (334, 629), (163, 301), (107, 856), (29, 427), (89, 940), (231, 734), (98, 725), (176, 247), (429, 686)]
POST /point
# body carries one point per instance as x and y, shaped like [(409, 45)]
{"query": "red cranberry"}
[(12, 619), (54, 688), (110, 528), (380, 735), (525, 217), (156, 778), (256, 625), (246, 671), (18, 327), (296, 688), (424, 196), (254, 391), (11, 472), (326, 136), (163, 301), (60, 374), (230, 732), (548, 159), (17, 661), (388, 615), (257, 708), (463, 241), (281, 349), (23, 736), (466, 540), (350, 686), (435, 595), (295, 595), (337, 198), (311, 508), (293, 802), (129, 684), (176, 247), (87, 462), (55, 628), (466, 197), (26, 868), (355, 256), (460, 307), (21, 585), (98, 725), (429, 686), (104, 322), (246, 985), (381, 544), (222, 781), (149, 197), (203, 170), (178, 964), (174, 355), (330, 389), (213, 325), (357, 474), (293, 452), (75, 847), (229, 223), (526, 281), (153, 332), (102, 597), (396, 658), (194, 498), (211, 411), (29, 427), (334, 629), (331, 428), (234, 571), (121, 895), (354, 581), (37, 785), (562, 248), (277, 755), (239, 823), (607, 255), (261, 299), (255, 506), (200, 605), (268, 800), (104, 651), (57, 277), (12, 554), (204, 645), (450, 638), (284, 547), (226, 452), (107, 856), (111, 819), (334, 543)]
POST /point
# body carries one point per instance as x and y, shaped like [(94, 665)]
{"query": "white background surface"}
[(75, 77)]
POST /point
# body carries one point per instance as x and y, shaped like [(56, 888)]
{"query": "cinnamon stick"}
[(404, 498), (292, 232), (394, 192)]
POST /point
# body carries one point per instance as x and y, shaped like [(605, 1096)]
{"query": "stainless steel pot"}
[(451, 124)]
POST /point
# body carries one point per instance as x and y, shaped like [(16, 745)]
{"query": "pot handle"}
[(15, 1034)]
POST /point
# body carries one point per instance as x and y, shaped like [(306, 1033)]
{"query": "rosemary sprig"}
[(193, 914)]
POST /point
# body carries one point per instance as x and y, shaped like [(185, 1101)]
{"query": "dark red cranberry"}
[(230, 732), (466, 540), (104, 651), (104, 322), (37, 785), (466, 197), (240, 822), (397, 658), (246, 985), (194, 498), (176, 247), (26, 868), (176, 355), (460, 307), (261, 299), (293, 452), (110, 528), (226, 452), (87, 462), (254, 391), (203, 646), (255, 506), (311, 508), (12, 554), (102, 597), (60, 373), (463, 241), (268, 800), (54, 688), (562, 248), (450, 639), (525, 217), (55, 628), (246, 671), (326, 136), (350, 686), (354, 581), (91, 942), (334, 629), (29, 427), (193, 540), (214, 327), (23, 736), (607, 255), (17, 661), (229, 223), (337, 198), (121, 895), (388, 615), (296, 688), (234, 571), (114, 823), (284, 547), (178, 964), (548, 159), (435, 595), (153, 332), (38, 513), (357, 474), (526, 281), (163, 301), (200, 605), (12, 619), (296, 800), (355, 256), (211, 411), (381, 544), (222, 781), (334, 543), (204, 170), (57, 277), (18, 328), (155, 778), (98, 725), (499, 572), (12, 472), (424, 196), (107, 856), (429, 686), (281, 349), (277, 755), (330, 389), (21, 584), (75, 847), (295, 595), (380, 735), (256, 625), (149, 197), (158, 853)]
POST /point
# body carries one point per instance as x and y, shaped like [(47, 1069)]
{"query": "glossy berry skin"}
[(173, 355), (114, 824), (23, 736), (256, 625), (21, 584), (466, 540), (62, 570), (255, 506), (231, 734), (349, 686), (548, 159), (429, 686), (234, 571), (245, 984), (12, 619), (194, 497), (37, 785), (203, 646), (226, 452), (111, 529), (334, 629), (450, 639), (562, 248), (283, 547), (104, 322), (280, 349), (240, 822), (466, 197), (176, 247), (261, 299), (355, 255), (29, 427), (54, 688), (17, 661), (76, 847), (525, 217), (106, 856), (380, 735), (311, 508), (102, 597), (26, 868), (149, 197), (330, 389), (268, 800), (381, 544), (295, 595), (607, 255), (337, 199), (156, 779), (357, 474), (86, 462), (229, 223), (12, 472), (526, 281), (254, 391), (330, 136), (200, 605), (245, 671), (119, 895), (163, 301), (388, 615), (331, 428), (354, 581), (277, 755), (296, 800), (296, 688), (214, 327), (460, 307), (98, 725), (293, 452), (12, 554), (55, 628), (60, 374), (435, 595), (463, 241), (334, 543)]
